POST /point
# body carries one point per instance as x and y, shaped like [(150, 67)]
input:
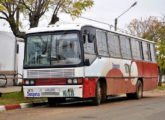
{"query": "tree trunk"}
[(34, 20), (17, 15), (160, 79), (54, 19), (15, 27)]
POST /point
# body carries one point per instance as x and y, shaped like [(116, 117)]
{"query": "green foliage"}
[(2, 8), (72, 7), (161, 53), (75, 10), (10, 10), (152, 29), (161, 87), (34, 9)]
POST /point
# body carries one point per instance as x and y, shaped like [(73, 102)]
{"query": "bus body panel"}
[(54, 73), (150, 76), (54, 91), (122, 75), (98, 68), (87, 90), (89, 87)]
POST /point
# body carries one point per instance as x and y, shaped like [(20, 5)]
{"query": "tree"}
[(35, 9), (161, 53), (11, 9), (74, 8), (146, 28), (152, 29)]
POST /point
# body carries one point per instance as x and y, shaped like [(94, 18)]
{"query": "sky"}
[(107, 10)]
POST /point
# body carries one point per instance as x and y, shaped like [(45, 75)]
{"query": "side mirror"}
[(91, 38), (87, 62)]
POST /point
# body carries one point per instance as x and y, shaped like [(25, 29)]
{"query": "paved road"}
[(151, 107)]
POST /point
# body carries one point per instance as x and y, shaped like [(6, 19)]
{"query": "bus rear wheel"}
[(97, 99), (139, 90), (130, 95)]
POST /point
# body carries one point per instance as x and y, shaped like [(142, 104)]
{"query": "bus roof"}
[(58, 27), (63, 27)]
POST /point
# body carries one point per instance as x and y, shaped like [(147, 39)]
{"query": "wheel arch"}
[(103, 84)]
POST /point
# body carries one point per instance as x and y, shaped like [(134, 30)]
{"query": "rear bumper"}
[(54, 91)]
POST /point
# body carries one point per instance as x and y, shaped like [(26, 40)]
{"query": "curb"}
[(21, 106)]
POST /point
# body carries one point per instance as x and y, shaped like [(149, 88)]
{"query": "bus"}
[(86, 62)]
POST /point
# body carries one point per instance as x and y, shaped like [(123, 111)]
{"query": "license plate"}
[(49, 93)]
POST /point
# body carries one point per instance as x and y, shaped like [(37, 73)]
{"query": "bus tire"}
[(139, 90), (51, 102), (97, 99), (130, 95), (55, 101), (103, 92)]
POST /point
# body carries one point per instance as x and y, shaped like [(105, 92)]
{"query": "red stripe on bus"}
[(51, 81)]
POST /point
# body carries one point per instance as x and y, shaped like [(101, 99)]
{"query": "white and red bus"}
[(83, 61)]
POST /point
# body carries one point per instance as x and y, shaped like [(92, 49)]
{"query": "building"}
[(11, 55)]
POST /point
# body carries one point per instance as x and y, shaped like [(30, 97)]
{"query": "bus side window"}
[(146, 51), (88, 35), (141, 50), (135, 49), (125, 47), (153, 54), (88, 46), (113, 43), (102, 43), (149, 51)]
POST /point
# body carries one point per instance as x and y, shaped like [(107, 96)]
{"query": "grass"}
[(16, 98), (161, 87)]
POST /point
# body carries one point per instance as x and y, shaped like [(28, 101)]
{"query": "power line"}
[(111, 26)]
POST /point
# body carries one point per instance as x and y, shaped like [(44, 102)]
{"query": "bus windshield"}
[(52, 49)]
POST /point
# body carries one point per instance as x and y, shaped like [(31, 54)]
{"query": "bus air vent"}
[(56, 73)]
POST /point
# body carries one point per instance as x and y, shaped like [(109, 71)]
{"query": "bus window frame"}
[(108, 55), (83, 29), (140, 40), (117, 35), (128, 38), (149, 51), (146, 53), (53, 33), (154, 52), (141, 50)]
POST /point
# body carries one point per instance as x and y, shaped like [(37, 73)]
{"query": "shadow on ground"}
[(88, 103)]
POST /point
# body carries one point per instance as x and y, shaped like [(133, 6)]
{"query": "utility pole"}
[(116, 19)]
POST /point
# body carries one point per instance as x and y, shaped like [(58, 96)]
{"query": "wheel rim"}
[(99, 94)]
